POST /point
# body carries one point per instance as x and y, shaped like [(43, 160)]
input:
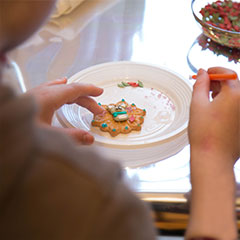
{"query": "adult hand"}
[(52, 95)]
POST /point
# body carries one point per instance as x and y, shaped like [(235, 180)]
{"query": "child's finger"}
[(201, 87)]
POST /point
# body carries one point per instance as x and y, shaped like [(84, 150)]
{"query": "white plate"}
[(166, 97)]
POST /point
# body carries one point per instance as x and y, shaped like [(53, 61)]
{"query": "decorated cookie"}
[(119, 118)]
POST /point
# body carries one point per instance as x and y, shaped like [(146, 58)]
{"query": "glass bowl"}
[(217, 34)]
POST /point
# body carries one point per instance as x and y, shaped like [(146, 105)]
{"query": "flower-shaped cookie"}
[(120, 118)]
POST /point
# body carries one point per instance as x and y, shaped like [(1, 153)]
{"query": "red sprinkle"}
[(133, 84), (224, 14)]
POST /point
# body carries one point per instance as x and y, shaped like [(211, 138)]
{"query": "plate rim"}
[(166, 137)]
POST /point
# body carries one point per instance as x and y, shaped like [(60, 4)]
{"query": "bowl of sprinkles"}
[(219, 20)]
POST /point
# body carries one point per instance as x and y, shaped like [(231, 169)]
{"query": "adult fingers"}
[(201, 87)]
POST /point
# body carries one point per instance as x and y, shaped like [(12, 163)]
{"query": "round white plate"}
[(165, 96)]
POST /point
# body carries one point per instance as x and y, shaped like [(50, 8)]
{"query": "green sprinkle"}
[(119, 113), (125, 84), (133, 104), (93, 120), (144, 110), (214, 5), (104, 125), (139, 124), (141, 117), (99, 104), (123, 100), (114, 130), (207, 14), (140, 84), (233, 18), (120, 85), (126, 127)]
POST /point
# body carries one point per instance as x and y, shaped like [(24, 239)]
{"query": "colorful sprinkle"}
[(114, 130), (232, 54), (125, 84), (132, 119), (119, 113), (104, 125), (99, 104), (129, 109), (126, 127), (132, 84), (223, 14), (123, 100), (140, 84)]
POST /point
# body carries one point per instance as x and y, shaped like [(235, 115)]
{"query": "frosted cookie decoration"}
[(132, 84), (120, 118)]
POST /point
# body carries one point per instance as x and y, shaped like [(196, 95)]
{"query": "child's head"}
[(20, 19)]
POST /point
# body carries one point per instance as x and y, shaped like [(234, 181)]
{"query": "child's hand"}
[(214, 139), (214, 125), (51, 96)]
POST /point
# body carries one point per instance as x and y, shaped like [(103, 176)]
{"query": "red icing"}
[(132, 119)]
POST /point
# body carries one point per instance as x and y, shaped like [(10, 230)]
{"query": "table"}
[(163, 33)]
